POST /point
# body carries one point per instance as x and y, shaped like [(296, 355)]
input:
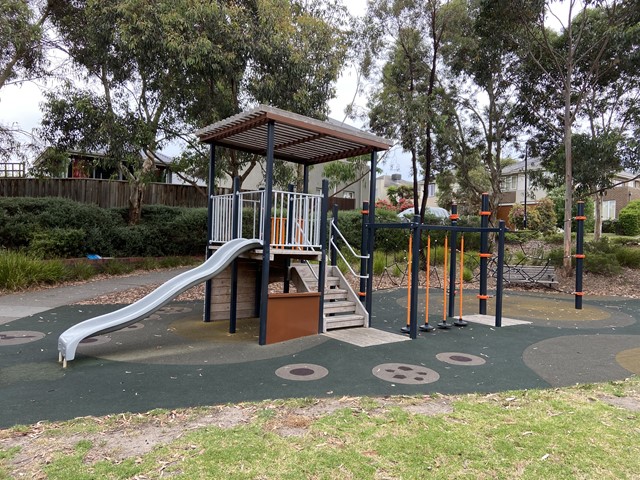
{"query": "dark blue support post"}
[(305, 179), (266, 229), (323, 260), (371, 234), (235, 222), (334, 235), (363, 253), (484, 253), (290, 234), (580, 218), (501, 231), (415, 276), (452, 261), (211, 192)]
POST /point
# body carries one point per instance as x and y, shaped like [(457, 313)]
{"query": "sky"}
[(20, 104)]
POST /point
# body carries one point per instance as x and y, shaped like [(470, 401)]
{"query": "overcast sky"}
[(19, 104)]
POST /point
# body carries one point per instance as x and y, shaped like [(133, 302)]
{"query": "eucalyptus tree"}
[(159, 70), (482, 56), (560, 70), (409, 104), (22, 52)]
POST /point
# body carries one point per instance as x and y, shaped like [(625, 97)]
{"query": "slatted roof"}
[(298, 139)]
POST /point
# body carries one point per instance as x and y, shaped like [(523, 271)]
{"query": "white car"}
[(408, 214)]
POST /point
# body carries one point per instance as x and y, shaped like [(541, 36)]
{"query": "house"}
[(516, 187), (383, 182), (91, 165), (12, 170), (626, 189)]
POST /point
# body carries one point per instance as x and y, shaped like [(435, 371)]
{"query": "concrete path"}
[(23, 304)]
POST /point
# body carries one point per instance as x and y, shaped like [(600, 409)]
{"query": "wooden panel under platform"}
[(292, 315), (221, 292)]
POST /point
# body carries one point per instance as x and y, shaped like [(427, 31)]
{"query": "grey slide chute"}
[(110, 322)]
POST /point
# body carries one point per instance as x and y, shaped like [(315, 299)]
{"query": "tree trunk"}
[(136, 192), (568, 186), (597, 229)]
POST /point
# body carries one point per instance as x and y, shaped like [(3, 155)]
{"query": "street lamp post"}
[(524, 222)]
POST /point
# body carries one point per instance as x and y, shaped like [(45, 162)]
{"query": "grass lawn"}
[(588, 431)]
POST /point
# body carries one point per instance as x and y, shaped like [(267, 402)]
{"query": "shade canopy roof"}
[(298, 139)]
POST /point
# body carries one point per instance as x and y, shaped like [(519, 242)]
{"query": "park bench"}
[(539, 274)]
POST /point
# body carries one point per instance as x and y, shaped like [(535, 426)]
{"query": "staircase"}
[(342, 307)]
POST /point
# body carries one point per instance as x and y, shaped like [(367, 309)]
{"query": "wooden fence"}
[(105, 193)]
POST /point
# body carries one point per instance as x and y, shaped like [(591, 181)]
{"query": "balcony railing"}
[(294, 219)]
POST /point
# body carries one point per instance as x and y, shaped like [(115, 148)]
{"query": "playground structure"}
[(265, 236)]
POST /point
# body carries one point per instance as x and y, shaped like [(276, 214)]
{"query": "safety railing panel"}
[(294, 217)]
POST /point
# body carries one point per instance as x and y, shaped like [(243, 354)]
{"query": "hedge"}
[(61, 228)]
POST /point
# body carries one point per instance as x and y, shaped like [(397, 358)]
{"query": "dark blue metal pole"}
[(266, 246), (371, 234), (501, 231), (415, 276), (484, 253), (211, 192), (453, 240), (363, 253), (323, 260), (235, 221), (580, 218)]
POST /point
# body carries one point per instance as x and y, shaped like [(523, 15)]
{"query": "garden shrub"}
[(629, 219), (602, 264), (628, 256), (58, 227), (59, 242)]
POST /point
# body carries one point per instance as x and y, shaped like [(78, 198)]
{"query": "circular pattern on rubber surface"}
[(405, 374), (455, 358), (303, 372), (18, 337)]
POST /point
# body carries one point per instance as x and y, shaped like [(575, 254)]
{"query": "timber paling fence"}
[(104, 193)]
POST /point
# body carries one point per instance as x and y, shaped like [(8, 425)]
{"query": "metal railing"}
[(295, 218), (334, 247)]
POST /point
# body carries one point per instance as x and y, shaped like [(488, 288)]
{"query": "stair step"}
[(340, 306), (332, 282), (344, 321), (335, 294)]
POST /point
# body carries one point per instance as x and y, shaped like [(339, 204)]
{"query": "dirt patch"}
[(120, 437), (628, 403)]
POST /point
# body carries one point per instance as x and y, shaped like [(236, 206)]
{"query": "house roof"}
[(518, 167), (298, 139)]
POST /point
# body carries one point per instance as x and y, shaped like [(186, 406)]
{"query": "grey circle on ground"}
[(406, 374), (18, 337), (302, 372), (456, 358)]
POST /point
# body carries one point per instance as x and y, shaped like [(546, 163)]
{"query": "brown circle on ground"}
[(405, 373), (455, 358), (630, 359), (99, 340), (18, 337), (302, 372)]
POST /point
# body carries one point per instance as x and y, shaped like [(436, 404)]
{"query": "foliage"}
[(557, 196), (60, 228), (398, 194), (516, 217), (629, 219), (602, 264), (547, 218), (18, 270)]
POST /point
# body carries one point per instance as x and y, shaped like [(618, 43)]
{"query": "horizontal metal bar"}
[(450, 228)]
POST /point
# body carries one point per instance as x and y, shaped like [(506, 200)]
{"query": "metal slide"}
[(110, 322)]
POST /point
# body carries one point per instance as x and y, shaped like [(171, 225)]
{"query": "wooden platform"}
[(279, 253)]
